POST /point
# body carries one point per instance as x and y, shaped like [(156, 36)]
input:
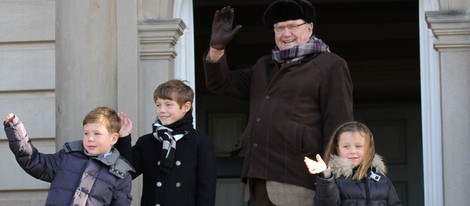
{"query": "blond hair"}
[(369, 153), (106, 116)]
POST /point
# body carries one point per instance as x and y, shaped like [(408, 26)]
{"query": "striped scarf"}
[(169, 135), (313, 46), (163, 134)]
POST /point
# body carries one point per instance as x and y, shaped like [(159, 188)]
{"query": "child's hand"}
[(9, 118), (315, 167), (126, 125)]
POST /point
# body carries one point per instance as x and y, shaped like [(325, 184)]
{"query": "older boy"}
[(177, 162)]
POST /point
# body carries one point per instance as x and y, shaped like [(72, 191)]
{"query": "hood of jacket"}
[(341, 166)]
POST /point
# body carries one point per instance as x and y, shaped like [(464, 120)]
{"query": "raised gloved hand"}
[(222, 31)]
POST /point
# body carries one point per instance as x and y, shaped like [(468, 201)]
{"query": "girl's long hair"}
[(369, 153)]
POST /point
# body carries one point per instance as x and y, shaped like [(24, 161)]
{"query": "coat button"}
[(255, 145), (159, 184), (158, 163), (178, 163), (258, 119), (178, 185)]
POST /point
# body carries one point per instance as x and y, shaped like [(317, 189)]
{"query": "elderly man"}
[(298, 95)]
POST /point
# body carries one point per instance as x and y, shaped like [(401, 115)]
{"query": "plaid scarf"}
[(313, 46), (169, 135)]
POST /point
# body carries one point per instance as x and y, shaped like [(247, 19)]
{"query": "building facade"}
[(60, 59)]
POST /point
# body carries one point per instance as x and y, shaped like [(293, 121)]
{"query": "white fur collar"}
[(343, 167)]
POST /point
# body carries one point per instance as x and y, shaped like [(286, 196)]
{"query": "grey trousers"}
[(269, 193)]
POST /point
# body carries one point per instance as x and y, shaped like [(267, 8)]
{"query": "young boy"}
[(87, 172), (177, 162)]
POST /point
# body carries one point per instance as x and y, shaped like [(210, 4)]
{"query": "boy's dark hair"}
[(176, 90), (106, 116)]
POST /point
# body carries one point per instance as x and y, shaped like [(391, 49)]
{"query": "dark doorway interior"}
[(380, 41)]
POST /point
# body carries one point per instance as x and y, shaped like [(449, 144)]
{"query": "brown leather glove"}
[(222, 31)]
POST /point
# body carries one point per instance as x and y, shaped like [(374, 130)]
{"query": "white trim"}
[(184, 61), (431, 110)]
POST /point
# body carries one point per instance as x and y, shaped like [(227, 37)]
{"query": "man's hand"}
[(315, 167), (222, 31), (126, 125)]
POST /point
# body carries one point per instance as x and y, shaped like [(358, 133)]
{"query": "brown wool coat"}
[(293, 111)]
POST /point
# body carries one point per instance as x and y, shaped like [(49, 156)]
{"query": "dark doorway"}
[(380, 41)]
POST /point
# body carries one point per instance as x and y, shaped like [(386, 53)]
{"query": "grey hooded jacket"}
[(76, 178)]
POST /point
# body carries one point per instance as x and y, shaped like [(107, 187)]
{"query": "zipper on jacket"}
[(366, 186)]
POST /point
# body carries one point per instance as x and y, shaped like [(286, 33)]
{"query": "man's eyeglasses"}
[(290, 27)]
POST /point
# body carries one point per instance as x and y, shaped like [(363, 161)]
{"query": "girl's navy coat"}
[(340, 189)]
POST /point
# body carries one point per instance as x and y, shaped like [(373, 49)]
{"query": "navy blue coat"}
[(340, 189), (191, 181)]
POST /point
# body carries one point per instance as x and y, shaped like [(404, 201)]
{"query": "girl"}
[(353, 174)]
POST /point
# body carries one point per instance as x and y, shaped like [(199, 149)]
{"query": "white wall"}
[(27, 84)]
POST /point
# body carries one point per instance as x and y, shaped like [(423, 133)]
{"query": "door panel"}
[(397, 134)]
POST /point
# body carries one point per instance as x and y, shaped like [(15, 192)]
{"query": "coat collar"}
[(343, 167), (77, 146)]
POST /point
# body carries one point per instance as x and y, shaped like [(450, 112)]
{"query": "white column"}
[(451, 27), (157, 53), (185, 63), (431, 111), (85, 63)]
